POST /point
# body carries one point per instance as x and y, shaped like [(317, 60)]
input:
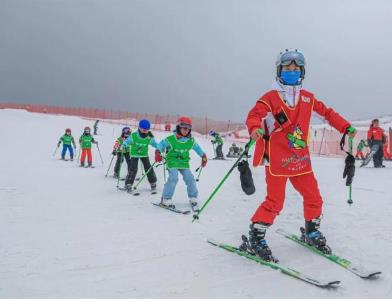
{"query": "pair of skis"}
[(175, 210), (346, 264)]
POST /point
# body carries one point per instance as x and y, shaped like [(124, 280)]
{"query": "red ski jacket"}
[(376, 134), (287, 146)]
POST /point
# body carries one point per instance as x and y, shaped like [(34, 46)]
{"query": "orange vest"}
[(287, 148)]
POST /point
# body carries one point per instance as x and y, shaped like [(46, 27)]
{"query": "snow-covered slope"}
[(66, 232)]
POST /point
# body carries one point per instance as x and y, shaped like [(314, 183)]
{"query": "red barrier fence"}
[(323, 141), (201, 125)]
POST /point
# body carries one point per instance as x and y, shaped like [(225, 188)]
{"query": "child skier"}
[(219, 142), (177, 159), (138, 142), (126, 131), (67, 139), (361, 145), (234, 151), (85, 142), (286, 111)]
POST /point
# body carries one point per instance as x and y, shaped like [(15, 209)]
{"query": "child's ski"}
[(346, 264), (175, 210), (275, 266)]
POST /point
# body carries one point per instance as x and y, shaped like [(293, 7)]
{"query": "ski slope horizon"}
[(67, 232)]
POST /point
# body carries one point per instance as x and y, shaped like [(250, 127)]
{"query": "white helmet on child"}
[(289, 56)]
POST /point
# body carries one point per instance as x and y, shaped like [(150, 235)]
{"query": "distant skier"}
[(139, 142), (361, 145), (96, 127), (67, 139), (219, 145), (234, 151), (121, 154), (85, 141), (375, 138), (178, 147), (286, 110)]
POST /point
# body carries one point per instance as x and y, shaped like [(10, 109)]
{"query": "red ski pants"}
[(359, 155), (86, 152), (305, 184)]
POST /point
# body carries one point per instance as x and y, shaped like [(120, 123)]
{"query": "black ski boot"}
[(81, 164), (129, 188), (311, 235), (256, 244)]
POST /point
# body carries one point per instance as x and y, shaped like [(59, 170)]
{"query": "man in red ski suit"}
[(285, 112), (376, 139)]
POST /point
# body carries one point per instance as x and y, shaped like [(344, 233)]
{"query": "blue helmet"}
[(212, 133), (144, 124)]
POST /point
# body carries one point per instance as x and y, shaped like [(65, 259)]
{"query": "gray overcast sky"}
[(197, 57)]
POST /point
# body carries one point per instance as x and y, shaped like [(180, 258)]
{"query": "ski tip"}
[(373, 275), (332, 284), (213, 242)]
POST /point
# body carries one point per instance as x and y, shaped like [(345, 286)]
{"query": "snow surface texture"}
[(66, 232)]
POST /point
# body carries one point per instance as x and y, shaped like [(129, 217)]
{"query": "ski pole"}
[(350, 150), (119, 170), (55, 151), (142, 172), (245, 152), (99, 153), (110, 165), (199, 169), (77, 160), (164, 169), (144, 175)]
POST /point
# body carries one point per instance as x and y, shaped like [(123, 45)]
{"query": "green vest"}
[(121, 141), (67, 139), (178, 155), (361, 145), (218, 140), (86, 141), (139, 146)]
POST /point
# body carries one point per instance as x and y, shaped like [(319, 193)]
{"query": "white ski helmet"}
[(288, 56)]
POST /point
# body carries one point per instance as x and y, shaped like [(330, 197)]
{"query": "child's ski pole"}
[(110, 165), (77, 160), (199, 169), (55, 151), (119, 170), (99, 152), (145, 174)]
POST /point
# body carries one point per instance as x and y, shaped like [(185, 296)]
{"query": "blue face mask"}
[(290, 77)]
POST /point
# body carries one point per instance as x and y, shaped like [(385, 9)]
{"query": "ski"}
[(175, 210), (137, 193), (123, 189), (346, 264), (286, 270)]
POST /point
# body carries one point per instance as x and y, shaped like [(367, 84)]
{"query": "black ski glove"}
[(246, 178), (349, 169), (150, 134)]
